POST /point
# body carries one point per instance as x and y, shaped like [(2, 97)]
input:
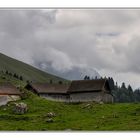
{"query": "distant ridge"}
[(27, 71)]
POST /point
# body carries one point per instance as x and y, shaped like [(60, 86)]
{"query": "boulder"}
[(51, 114), (101, 102), (87, 106), (20, 108), (50, 120)]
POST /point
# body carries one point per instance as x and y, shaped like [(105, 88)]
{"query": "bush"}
[(24, 96)]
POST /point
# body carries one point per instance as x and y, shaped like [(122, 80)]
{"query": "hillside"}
[(83, 116), (76, 117), (26, 71), (69, 117)]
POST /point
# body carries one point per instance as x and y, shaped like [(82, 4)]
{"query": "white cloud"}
[(106, 40)]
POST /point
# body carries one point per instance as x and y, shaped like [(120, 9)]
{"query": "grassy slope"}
[(28, 72), (69, 116), (74, 117)]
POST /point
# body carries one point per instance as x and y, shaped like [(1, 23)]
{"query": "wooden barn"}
[(57, 92), (78, 91), (8, 92), (97, 90)]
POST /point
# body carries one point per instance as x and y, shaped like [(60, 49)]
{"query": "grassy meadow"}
[(70, 117)]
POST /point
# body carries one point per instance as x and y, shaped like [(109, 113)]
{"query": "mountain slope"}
[(26, 71)]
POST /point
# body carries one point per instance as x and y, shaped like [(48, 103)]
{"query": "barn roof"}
[(87, 85), (8, 89), (49, 88)]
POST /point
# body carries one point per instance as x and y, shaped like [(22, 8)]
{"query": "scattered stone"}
[(101, 102), (51, 114), (50, 120), (87, 106), (20, 108)]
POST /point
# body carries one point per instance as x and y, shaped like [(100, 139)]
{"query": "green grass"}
[(75, 117), (26, 71)]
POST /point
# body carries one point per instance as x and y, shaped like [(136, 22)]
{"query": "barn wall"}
[(107, 98), (3, 100), (56, 97), (80, 97), (13, 98), (84, 97), (91, 96)]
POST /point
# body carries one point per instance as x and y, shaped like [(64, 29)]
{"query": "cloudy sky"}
[(59, 40)]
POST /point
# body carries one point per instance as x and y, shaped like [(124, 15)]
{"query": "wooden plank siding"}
[(8, 92), (78, 91)]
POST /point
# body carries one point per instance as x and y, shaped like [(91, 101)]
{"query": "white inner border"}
[(69, 4), (69, 136)]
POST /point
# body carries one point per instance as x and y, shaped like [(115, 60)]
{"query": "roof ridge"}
[(89, 80)]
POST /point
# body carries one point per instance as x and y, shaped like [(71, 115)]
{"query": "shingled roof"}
[(8, 89), (49, 88), (87, 85)]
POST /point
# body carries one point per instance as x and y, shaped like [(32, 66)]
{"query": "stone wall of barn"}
[(107, 98), (91, 96), (56, 97), (85, 97), (80, 97), (4, 99)]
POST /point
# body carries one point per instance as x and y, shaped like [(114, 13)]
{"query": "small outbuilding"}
[(8, 92)]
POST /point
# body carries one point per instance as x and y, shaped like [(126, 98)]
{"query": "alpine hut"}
[(8, 92), (97, 90), (57, 92)]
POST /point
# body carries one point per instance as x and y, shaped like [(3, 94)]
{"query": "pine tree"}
[(123, 86), (111, 83), (88, 78), (130, 88), (85, 78)]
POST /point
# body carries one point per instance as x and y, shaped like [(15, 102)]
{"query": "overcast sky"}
[(105, 40)]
